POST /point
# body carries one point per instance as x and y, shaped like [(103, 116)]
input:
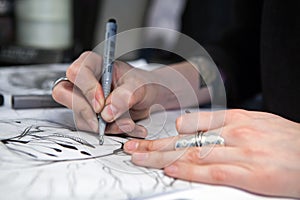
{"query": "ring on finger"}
[(200, 139), (61, 79)]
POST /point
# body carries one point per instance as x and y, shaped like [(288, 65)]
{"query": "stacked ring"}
[(200, 139)]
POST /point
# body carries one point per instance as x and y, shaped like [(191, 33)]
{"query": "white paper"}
[(44, 156)]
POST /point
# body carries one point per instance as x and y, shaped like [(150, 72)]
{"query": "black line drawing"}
[(46, 159)]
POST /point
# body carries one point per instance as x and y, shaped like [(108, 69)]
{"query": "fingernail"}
[(172, 169), (109, 112), (96, 105), (131, 145), (140, 156)]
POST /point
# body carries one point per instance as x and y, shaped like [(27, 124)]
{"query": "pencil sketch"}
[(45, 159), (23, 80)]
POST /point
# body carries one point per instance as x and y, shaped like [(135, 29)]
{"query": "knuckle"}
[(245, 133), (237, 114), (179, 124), (72, 71), (85, 54), (85, 58), (193, 154), (241, 132), (90, 57), (218, 175), (248, 152), (253, 152), (92, 61), (151, 145)]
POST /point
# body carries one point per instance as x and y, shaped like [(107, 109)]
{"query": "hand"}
[(261, 152), (135, 92), (132, 90)]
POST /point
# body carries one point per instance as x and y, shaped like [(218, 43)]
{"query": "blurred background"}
[(58, 31)]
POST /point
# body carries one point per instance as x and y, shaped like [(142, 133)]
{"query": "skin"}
[(262, 151), (134, 96), (261, 154)]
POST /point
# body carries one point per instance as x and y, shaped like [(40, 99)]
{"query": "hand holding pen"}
[(134, 92), (238, 164), (108, 59), (84, 95), (82, 92)]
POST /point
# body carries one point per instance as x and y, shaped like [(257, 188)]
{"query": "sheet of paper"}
[(44, 156)]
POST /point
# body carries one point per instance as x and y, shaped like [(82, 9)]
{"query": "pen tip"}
[(101, 140)]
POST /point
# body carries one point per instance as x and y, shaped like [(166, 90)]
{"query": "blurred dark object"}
[(1, 100), (230, 31), (20, 55), (85, 18), (84, 15), (280, 58), (30, 35), (6, 21)]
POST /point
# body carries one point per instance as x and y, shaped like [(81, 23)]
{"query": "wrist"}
[(179, 86)]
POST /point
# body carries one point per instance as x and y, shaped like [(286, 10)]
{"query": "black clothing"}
[(230, 31), (280, 57), (256, 44)]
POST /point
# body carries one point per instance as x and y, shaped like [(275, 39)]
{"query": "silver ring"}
[(61, 79), (200, 139)]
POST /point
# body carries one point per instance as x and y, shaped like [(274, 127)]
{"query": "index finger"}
[(165, 144), (85, 73), (129, 91)]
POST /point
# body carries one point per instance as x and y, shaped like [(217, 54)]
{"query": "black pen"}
[(31, 101)]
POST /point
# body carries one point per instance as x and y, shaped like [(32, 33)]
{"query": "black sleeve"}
[(230, 31), (280, 57)]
